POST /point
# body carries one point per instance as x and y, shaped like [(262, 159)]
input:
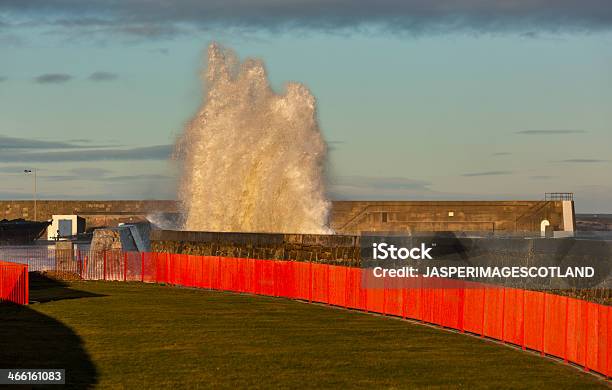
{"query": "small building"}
[(64, 226)]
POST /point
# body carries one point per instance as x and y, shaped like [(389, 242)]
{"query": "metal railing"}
[(559, 196)]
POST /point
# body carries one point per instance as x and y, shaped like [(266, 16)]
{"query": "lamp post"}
[(33, 170)]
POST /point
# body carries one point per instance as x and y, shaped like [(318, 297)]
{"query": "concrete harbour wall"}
[(347, 217)]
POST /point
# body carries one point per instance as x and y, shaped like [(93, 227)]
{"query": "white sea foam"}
[(252, 160)]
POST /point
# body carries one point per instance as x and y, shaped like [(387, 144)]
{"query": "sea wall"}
[(96, 212), (340, 249), (352, 217), (448, 248), (347, 217)]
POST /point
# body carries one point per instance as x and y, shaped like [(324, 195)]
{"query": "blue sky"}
[(416, 103)]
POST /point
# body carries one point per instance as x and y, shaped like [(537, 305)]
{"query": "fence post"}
[(310, 282), (80, 263), (609, 335), (273, 278), (503, 314), (404, 301), (462, 307), (255, 277), (484, 302), (421, 299), (172, 259), (219, 273), (156, 257), (565, 337), (168, 278), (328, 284), (543, 337), (142, 256), (346, 287), (15, 293), (165, 277), (586, 338), (125, 258), (367, 296), (54, 259), (104, 274), (201, 272), (523, 347), (169, 259), (27, 285), (384, 308)]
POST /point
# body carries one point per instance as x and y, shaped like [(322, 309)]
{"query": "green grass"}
[(147, 336)]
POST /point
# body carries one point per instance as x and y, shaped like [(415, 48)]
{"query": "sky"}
[(417, 99)]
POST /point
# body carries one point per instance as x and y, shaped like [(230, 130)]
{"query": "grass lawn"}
[(133, 335)]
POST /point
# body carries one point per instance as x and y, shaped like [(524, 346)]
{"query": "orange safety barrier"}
[(571, 329), (14, 283)]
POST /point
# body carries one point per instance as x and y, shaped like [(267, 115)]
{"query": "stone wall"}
[(352, 217), (106, 239), (335, 249), (347, 217), (96, 212)]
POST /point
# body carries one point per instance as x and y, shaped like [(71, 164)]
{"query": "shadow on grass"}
[(30, 339), (47, 289)]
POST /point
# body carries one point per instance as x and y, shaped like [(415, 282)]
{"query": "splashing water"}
[(252, 160)]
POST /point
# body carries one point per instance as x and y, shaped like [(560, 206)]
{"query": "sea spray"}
[(252, 160)]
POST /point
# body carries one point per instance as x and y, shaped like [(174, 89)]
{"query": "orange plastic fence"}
[(574, 330), (14, 283)]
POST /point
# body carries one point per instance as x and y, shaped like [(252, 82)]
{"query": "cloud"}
[(487, 173), (53, 78), (583, 160), (165, 18), (59, 177), (542, 177), (131, 178), (334, 145), (550, 132), (26, 143), (399, 188), (93, 176), (380, 182), (90, 172), (162, 50), (369, 187), (160, 152), (12, 169), (530, 34), (103, 76), (10, 195)]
